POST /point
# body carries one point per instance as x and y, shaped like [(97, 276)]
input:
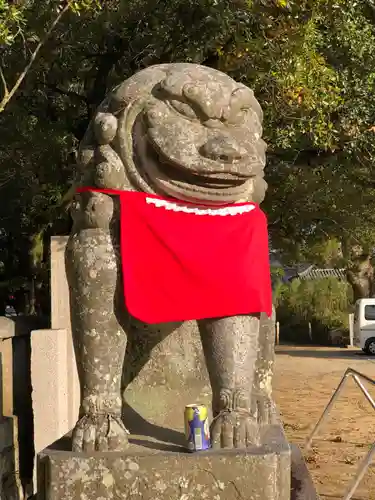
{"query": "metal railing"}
[(364, 465)]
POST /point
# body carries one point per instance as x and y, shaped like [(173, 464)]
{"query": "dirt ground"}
[(304, 381)]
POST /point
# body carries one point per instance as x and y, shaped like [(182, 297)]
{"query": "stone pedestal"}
[(156, 466), (152, 470), (159, 471), (163, 372)]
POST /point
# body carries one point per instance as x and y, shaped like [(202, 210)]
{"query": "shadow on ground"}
[(166, 439), (144, 434), (321, 352)]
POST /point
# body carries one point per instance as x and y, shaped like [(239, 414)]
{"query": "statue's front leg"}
[(230, 346), (93, 275)]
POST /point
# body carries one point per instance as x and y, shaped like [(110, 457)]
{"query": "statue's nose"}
[(223, 148)]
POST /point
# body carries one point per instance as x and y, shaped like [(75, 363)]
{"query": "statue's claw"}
[(234, 429), (235, 425), (100, 432)]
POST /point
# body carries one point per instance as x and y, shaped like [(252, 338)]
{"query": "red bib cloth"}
[(184, 262)]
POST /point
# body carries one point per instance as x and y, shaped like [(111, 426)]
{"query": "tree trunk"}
[(32, 298), (360, 275)]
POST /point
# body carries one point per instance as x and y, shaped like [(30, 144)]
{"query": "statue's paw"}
[(264, 409), (234, 429), (100, 432)]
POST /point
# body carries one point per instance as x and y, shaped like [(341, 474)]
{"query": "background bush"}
[(324, 303)]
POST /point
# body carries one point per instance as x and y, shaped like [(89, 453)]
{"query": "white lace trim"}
[(175, 207)]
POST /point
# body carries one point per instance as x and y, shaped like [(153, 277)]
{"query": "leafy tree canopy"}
[(310, 63)]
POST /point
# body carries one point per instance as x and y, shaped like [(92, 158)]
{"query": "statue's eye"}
[(184, 109)]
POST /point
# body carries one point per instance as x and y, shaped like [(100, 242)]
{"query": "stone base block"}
[(150, 472), (302, 484), (10, 484)]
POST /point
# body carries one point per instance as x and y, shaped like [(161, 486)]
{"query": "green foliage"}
[(80, 6), (324, 303), (310, 62), (12, 21), (14, 15), (277, 272), (318, 299), (320, 128), (311, 66)]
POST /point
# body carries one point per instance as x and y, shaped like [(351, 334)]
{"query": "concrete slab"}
[(302, 487), (49, 381), (158, 471), (60, 320)]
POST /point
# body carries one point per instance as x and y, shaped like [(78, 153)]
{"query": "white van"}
[(364, 325)]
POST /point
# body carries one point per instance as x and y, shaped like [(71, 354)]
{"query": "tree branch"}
[(68, 93), (9, 94), (5, 87)]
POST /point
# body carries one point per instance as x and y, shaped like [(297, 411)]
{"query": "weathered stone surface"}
[(6, 377), (153, 473), (7, 327), (172, 374), (302, 484), (60, 319), (14, 377), (50, 386), (19, 325), (10, 488), (16, 421), (10, 484), (157, 361), (23, 410), (19, 426), (206, 476), (189, 132), (6, 433)]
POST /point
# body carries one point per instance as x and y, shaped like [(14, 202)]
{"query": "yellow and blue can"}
[(197, 429)]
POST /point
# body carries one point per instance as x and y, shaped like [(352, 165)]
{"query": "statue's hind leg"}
[(230, 346)]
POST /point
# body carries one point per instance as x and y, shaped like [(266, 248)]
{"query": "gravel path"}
[(305, 379)]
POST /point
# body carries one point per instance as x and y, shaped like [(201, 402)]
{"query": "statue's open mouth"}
[(183, 183), (155, 172), (177, 172)]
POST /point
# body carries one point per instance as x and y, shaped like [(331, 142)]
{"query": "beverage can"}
[(197, 428)]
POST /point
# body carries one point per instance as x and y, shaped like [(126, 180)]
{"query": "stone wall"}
[(16, 422), (39, 389), (60, 320), (10, 486)]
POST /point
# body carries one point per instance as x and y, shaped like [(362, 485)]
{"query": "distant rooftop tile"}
[(313, 273)]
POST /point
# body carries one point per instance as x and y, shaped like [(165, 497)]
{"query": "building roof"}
[(313, 273), (293, 272)]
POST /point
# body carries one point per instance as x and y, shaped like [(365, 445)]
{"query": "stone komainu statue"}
[(193, 134)]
